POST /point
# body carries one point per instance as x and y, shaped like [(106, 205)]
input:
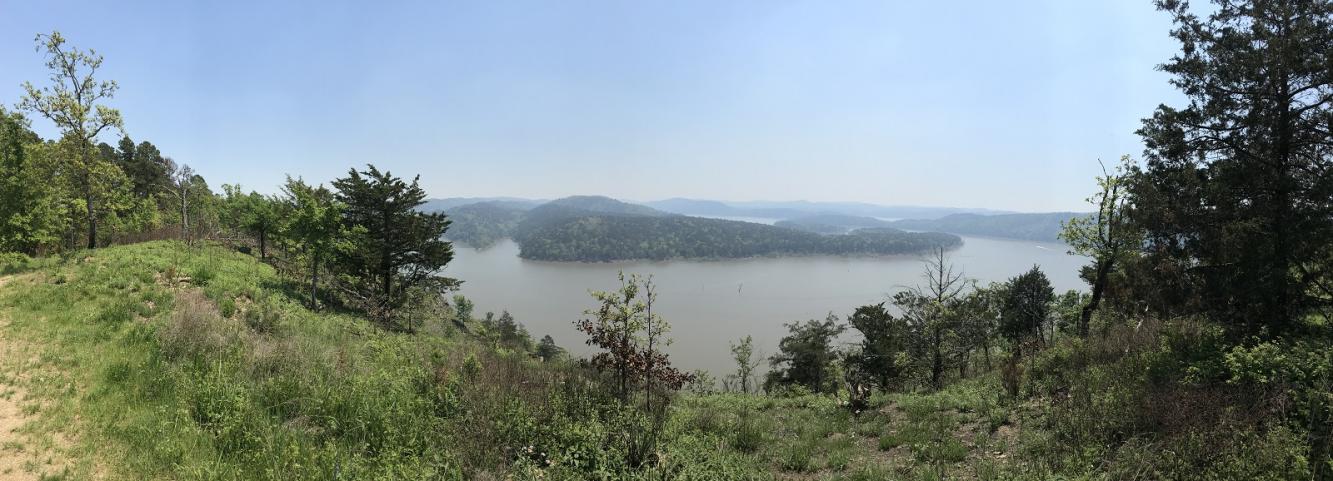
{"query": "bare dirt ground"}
[(23, 456)]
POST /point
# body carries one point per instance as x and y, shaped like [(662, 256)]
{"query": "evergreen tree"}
[(883, 353), (1237, 193), (1026, 308), (805, 355), (149, 170), (393, 247), (547, 350)]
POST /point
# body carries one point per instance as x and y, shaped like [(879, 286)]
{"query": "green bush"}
[(799, 456), (13, 262), (202, 275), (749, 436), (262, 317)]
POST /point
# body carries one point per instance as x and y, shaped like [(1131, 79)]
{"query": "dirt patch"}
[(23, 456)]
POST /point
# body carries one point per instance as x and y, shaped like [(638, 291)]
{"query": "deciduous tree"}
[(73, 102)]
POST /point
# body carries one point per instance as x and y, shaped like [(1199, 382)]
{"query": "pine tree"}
[(1237, 192), (393, 248)]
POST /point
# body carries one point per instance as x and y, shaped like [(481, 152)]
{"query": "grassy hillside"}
[(158, 361)]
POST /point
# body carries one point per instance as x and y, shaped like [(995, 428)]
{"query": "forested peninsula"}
[(600, 229)]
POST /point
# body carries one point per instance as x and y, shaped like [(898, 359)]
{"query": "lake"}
[(712, 303)]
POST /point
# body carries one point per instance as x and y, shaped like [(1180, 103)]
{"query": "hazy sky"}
[(985, 104)]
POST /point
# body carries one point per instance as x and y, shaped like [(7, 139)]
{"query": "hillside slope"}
[(163, 362)]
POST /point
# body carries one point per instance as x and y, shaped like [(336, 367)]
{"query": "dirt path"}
[(22, 458)]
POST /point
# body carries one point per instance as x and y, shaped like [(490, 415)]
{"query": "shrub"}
[(799, 456), (262, 317), (119, 312), (202, 276), (868, 472), (195, 330), (227, 306), (749, 436), (1011, 375), (949, 450), (707, 420)]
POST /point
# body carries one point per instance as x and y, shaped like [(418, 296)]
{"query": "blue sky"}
[(1004, 105)]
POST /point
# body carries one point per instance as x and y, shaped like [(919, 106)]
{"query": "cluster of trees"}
[(482, 224), (630, 337), (379, 252), (598, 229), (831, 223), (75, 190), (1226, 223), (609, 238), (925, 333)]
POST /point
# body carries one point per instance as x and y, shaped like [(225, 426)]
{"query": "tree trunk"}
[(262, 255), (985, 346), (937, 366), (1098, 286), (314, 281), (185, 218), (92, 219), (88, 200)]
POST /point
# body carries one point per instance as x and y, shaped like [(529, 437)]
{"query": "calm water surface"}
[(711, 303)]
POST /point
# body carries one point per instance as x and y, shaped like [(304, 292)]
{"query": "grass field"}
[(161, 361)]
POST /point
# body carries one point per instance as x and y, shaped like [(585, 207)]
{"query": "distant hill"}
[(790, 209), (1038, 227), (437, 205), (831, 223), (482, 224), (576, 207), (625, 237), (598, 228)]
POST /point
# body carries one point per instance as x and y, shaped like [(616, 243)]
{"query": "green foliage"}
[(601, 237), (743, 353), (1026, 306), (883, 352), (482, 224), (749, 435), (805, 356), (72, 102), (30, 214), (1234, 195), (547, 350), (392, 248)]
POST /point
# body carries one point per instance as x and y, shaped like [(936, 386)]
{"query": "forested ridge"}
[(595, 228), (606, 238), (154, 328)]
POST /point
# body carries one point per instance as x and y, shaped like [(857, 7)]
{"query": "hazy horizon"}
[(897, 105)]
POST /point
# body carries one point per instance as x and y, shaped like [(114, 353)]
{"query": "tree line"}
[(1220, 233), (361, 242), (946, 324)]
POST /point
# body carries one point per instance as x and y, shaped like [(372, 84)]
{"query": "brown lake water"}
[(712, 303)]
